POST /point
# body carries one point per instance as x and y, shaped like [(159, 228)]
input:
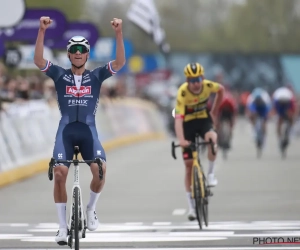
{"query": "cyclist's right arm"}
[(39, 60), (44, 65), (179, 116)]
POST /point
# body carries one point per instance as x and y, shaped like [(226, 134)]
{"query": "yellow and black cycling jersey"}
[(191, 106)]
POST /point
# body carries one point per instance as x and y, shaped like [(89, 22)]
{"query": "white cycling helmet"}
[(78, 40), (283, 94)]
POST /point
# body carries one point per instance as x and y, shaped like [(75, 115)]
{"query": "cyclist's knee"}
[(188, 165), (211, 135), (60, 174)]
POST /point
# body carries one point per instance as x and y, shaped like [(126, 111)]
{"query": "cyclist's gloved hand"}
[(184, 143)]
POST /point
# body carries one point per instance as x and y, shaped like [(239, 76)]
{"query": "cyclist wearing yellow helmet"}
[(192, 116)]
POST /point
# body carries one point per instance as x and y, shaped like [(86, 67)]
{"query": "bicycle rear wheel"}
[(197, 196), (76, 217)]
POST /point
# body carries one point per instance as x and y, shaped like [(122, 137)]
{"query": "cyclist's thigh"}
[(89, 144), (205, 126), (63, 147), (189, 129)]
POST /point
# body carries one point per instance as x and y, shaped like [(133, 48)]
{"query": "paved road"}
[(144, 203)]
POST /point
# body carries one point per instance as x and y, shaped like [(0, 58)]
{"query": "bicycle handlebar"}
[(193, 146), (75, 162)]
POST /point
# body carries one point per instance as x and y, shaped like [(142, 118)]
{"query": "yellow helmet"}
[(193, 70)]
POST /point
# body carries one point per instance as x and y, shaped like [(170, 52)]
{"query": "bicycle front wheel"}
[(205, 203), (76, 217), (197, 196)]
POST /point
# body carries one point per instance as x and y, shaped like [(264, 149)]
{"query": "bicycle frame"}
[(76, 184), (197, 164)]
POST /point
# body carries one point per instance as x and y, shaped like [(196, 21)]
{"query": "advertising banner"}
[(27, 56), (85, 29), (27, 29), (105, 49)]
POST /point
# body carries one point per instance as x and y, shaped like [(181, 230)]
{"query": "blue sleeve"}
[(104, 72), (53, 71), (251, 107)]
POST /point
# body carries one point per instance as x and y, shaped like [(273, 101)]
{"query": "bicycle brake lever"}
[(99, 163), (173, 150), (50, 170)]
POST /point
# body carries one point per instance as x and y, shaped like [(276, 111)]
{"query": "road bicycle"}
[(200, 189), (77, 224)]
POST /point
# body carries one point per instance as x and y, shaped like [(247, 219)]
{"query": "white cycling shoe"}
[(92, 220), (212, 181), (192, 215), (61, 237)]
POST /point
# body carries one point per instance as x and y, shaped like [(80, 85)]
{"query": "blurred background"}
[(241, 44)]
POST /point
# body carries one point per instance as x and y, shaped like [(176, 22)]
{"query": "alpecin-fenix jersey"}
[(78, 105)]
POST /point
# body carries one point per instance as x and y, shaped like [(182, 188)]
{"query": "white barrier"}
[(27, 130)]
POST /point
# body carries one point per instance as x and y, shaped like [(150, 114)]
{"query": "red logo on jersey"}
[(84, 90)]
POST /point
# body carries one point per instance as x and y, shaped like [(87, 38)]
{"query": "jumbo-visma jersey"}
[(191, 106)]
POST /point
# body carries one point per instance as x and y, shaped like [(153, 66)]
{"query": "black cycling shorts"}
[(191, 128)]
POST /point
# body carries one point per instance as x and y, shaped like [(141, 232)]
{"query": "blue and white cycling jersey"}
[(262, 110), (78, 104), (283, 100)]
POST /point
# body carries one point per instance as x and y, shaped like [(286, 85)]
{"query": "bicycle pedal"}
[(62, 243)]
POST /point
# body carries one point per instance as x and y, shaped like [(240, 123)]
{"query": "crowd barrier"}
[(27, 132)]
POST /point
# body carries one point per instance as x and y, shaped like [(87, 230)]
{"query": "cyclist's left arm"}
[(120, 60), (113, 66), (294, 108), (219, 90)]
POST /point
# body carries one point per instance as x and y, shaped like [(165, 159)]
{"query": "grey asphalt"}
[(254, 197)]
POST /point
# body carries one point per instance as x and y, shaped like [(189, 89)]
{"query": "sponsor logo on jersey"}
[(78, 102), (84, 90), (86, 78), (85, 81), (67, 78)]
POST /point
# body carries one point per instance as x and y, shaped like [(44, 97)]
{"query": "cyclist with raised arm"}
[(192, 116), (78, 91)]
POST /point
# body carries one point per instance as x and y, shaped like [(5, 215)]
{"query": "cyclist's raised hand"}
[(116, 24), (184, 143), (45, 22)]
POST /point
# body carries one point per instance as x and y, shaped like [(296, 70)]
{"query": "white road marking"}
[(128, 238), (194, 248), (179, 211), (161, 223), (134, 223), (14, 236)]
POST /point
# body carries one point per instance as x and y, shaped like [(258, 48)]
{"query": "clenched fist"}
[(116, 24), (45, 22)]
